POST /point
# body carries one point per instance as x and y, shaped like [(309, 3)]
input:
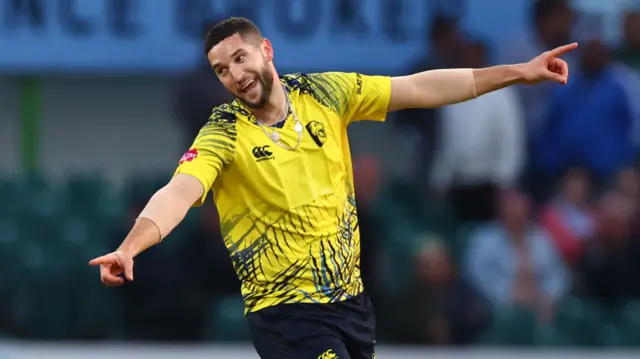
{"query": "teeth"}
[(247, 85)]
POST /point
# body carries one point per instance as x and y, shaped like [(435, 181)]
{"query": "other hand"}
[(112, 265), (548, 66)]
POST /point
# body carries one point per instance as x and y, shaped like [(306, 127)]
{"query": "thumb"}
[(557, 77), (128, 269)]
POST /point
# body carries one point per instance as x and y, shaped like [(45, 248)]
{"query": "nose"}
[(237, 73)]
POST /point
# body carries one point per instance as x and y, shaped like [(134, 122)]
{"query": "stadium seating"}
[(629, 318), (48, 232), (226, 320), (580, 320), (460, 239), (512, 326)]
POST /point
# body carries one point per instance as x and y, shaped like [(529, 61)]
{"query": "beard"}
[(264, 79)]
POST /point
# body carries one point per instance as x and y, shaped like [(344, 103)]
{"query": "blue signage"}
[(166, 35)]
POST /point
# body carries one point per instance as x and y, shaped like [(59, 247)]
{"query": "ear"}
[(267, 49)]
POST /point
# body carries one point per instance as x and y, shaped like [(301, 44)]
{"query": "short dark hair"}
[(542, 9), (229, 27)]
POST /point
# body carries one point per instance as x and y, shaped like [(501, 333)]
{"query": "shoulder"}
[(224, 116), (319, 81), (227, 114), (220, 130), (340, 80), (329, 89), (295, 81)]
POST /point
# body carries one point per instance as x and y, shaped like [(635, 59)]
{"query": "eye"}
[(241, 58), (222, 71)]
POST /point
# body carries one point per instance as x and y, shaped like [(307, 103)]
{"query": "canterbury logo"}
[(262, 153), (329, 354)]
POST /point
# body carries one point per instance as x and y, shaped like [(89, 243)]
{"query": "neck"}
[(273, 111)]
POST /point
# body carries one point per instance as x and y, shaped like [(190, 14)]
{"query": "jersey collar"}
[(246, 112)]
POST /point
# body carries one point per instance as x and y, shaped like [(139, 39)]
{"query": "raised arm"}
[(438, 88)]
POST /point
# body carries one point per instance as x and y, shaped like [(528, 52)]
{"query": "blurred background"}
[(511, 221)]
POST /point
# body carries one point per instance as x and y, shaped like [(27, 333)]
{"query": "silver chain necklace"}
[(274, 135)]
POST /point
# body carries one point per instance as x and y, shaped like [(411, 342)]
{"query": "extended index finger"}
[(559, 51), (106, 259)]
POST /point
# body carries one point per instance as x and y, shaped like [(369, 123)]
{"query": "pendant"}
[(298, 127), (275, 136)]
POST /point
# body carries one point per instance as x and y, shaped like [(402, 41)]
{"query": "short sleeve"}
[(355, 96), (211, 151)]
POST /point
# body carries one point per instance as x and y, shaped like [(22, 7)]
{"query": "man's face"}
[(434, 265), (243, 67), (514, 207), (576, 188), (614, 217)]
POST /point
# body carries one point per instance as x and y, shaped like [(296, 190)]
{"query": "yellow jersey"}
[(288, 218)]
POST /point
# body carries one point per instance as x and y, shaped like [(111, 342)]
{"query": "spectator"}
[(553, 21), (629, 51), (569, 218), (513, 262), (627, 184), (445, 38), (611, 263), (589, 123), (481, 147), (421, 125), (440, 307), (628, 67)]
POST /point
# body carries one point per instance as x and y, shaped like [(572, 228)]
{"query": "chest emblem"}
[(317, 132), (262, 153)]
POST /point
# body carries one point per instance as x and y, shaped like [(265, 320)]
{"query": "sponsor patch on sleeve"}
[(189, 156)]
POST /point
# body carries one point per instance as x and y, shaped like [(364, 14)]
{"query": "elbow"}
[(174, 197), (169, 205), (167, 208)]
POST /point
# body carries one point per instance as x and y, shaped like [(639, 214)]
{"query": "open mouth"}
[(247, 87)]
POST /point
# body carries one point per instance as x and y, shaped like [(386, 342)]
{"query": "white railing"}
[(31, 350)]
